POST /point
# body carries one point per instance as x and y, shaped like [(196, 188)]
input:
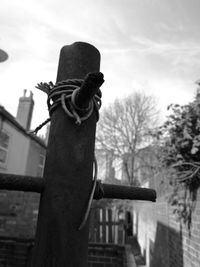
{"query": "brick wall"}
[(106, 255), (16, 252), (165, 241), (18, 213)]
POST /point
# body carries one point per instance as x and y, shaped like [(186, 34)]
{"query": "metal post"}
[(68, 174)]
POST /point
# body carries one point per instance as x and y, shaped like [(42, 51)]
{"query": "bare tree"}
[(123, 130)]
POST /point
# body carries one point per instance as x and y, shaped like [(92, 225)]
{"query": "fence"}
[(105, 227)]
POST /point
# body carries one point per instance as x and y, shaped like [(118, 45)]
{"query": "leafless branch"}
[(124, 126)]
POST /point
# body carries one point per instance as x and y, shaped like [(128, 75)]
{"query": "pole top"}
[(77, 60)]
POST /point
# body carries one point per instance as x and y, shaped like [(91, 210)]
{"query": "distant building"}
[(20, 151), (107, 171), (145, 161)]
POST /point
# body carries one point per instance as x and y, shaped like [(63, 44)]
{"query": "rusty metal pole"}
[(68, 173), (36, 184)]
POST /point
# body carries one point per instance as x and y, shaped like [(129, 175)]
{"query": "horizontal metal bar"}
[(124, 192), (36, 184), (21, 183)]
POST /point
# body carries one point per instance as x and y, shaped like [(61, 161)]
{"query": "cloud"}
[(142, 43)]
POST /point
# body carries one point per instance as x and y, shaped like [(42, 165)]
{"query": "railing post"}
[(68, 173)]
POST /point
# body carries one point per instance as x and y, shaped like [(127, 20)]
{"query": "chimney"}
[(25, 110)]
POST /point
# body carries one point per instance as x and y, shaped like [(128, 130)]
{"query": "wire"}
[(91, 196)]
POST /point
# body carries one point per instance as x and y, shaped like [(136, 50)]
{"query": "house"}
[(20, 151)]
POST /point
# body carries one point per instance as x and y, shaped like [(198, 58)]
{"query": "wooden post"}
[(68, 173)]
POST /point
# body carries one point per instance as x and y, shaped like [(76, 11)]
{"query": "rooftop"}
[(5, 114)]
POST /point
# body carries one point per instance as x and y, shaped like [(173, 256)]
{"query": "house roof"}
[(6, 115)]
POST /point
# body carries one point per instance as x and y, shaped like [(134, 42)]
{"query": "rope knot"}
[(66, 94), (70, 94)]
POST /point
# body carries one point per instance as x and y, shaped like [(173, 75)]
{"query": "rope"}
[(99, 190), (91, 196), (39, 127), (64, 93)]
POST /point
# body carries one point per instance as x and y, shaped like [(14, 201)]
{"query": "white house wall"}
[(35, 150), (17, 150)]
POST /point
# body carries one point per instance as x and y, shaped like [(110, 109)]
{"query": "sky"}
[(147, 45)]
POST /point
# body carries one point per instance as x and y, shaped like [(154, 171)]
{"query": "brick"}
[(105, 259)]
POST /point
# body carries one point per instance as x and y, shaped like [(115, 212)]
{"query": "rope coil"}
[(64, 93)]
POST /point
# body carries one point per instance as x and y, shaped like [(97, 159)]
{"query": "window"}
[(4, 142), (41, 165)]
